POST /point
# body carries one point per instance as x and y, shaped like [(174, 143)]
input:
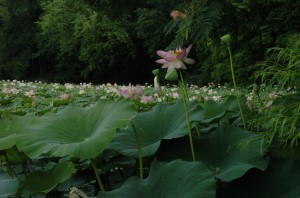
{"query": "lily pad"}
[(164, 122), (174, 179), (76, 131), (45, 181)]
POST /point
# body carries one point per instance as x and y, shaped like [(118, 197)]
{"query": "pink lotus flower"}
[(146, 99), (175, 14), (65, 96), (175, 59), (132, 92)]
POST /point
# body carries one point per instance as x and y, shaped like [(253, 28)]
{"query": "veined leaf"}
[(45, 181), (164, 122), (75, 131), (174, 179)]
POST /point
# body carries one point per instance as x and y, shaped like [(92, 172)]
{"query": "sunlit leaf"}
[(75, 131)]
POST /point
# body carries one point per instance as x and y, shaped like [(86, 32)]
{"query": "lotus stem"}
[(9, 168), (97, 177), (139, 150), (235, 88), (185, 98)]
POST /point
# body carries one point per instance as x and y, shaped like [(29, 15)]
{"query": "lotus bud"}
[(157, 85), (155, 72), (225, 39), (175, 14)]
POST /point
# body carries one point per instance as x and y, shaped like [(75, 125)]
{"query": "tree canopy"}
[(115, 41)]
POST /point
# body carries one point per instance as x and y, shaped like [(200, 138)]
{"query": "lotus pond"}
[(84, 140)]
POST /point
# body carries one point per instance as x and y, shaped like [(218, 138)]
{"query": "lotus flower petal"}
[(166, 65), (178, 64), (189, 60), (170, 57), (161, 53), (182, 54), (188, 49), (161, 61)]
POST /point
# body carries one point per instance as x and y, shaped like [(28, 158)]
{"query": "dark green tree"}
[(18, 37)]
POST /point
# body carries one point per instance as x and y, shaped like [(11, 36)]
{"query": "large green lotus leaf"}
[(8, 185), (76, 131), (164, 122), (175, 179), (224, 151), (226, 154), (10, 126), (215, 111), (14, 156), (45, 181), (281, 179)]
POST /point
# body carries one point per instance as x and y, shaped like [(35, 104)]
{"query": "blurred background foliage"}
[(103, 41)]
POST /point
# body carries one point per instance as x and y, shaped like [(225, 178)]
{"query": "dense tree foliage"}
[(115, 41), (18, 37)]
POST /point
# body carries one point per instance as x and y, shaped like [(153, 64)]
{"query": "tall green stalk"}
[(10, 170), (235, 88), (185, 99), (97, 176), (139, 149)]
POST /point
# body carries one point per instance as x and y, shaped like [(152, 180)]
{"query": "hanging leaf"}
[(164, 122), (45, 181), (75, 131), (174, 179)]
